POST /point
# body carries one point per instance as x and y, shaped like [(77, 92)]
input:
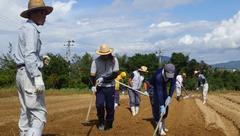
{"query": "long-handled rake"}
[(158, 124), (131, 88), (86, 122)]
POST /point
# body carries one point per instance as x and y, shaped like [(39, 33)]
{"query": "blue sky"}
[(208, 30)]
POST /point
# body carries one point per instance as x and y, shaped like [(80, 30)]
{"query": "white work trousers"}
[(178, 91), (33, 110), (205, 91)]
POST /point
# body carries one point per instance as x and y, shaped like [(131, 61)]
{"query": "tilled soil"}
[(66, 115)]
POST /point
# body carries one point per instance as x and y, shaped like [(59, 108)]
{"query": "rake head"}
[(86, 123)]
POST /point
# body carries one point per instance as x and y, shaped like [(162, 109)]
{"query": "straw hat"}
[(143, 69), (36, 5), (104, 50)]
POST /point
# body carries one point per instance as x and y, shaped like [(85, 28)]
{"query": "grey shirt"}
[(103, 68), (28, 49)]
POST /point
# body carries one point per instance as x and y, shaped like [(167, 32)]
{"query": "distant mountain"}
[(228, 65)]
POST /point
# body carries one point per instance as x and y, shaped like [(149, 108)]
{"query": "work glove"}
[(162, 109), (46, 59), (94, 89), (197, 88), (168, 101), (146, 93), (99, 81), (39, 84)]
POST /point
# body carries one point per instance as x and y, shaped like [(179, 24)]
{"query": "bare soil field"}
[(189, 117)]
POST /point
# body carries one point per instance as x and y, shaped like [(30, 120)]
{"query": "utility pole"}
[(68, 52), (158, 53)]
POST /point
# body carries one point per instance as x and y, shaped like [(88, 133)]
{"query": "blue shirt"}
[(28, 49), (160, 86)]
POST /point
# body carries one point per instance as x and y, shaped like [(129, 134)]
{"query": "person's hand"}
[(162, 109), (99, 80), (146, 93), (94, 89), (39, 84), (46, 60), (168, 101)]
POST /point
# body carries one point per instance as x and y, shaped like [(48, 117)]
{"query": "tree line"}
[(61, 73)]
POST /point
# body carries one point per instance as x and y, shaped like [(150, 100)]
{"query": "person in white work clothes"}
[(29, 79), (179, 85)]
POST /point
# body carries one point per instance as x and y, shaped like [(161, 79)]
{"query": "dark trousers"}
[(156, 108), (150, 92), (117, 96), (105, 99)]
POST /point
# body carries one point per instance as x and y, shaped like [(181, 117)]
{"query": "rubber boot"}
[(160, 130), (108, 125), (100, 125), (178, 98), (137, 109), (164, 126), (133, 111), (115, 105)]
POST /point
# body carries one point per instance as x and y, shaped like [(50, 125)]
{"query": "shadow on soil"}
[(91, 124), (150, 120)]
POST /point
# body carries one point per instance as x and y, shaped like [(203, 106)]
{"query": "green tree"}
[(56, 73), (7, 71), (179, 60)]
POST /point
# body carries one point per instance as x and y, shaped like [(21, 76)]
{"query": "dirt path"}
[(67, 112)]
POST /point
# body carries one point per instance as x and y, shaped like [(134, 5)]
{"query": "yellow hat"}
[(104, 50), (36, 5), (143, 69), (123, 74)]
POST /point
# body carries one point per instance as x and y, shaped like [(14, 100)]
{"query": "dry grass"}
[(9, 92)]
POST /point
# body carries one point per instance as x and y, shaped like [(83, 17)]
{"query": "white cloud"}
[(63, 7), (158, 4), (62, 11), (164, 24), (225, 35), (187, 39)]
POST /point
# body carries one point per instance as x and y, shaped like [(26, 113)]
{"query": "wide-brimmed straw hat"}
[(36, 5), (143, 69), (104, 50)]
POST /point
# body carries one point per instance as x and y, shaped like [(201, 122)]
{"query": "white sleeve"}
[(116, 65), (30, 52), (93, 68)]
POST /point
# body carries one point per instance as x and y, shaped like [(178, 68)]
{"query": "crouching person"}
[(29, 79), (162, 98), (104, 70)]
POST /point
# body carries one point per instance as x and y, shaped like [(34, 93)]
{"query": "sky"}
[(207, 30)]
